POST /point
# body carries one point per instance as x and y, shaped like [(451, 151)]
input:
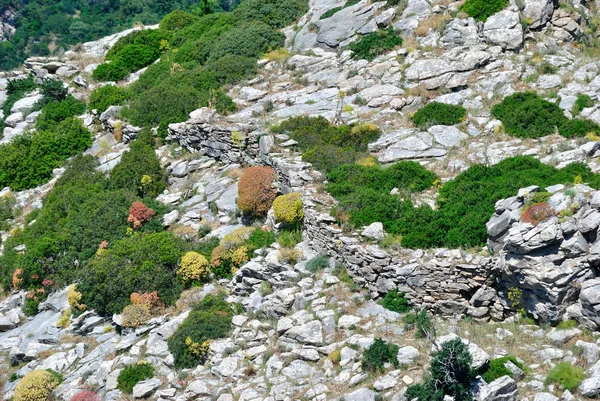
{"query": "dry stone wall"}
[(448, 283)]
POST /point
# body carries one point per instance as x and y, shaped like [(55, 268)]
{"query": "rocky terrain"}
[(300, 333)]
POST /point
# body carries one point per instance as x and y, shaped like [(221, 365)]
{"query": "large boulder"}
[(538, 12), (502, 389), (589, 299), (504, 29)]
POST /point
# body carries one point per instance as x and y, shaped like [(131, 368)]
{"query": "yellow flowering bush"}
[(36, 386), (194, 267), (136, 314), (236, 238), (74, 298), (288, 208)]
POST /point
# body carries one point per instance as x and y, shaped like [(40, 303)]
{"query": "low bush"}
[(450, 375), (567, 324), (15, 90), (135, 315), (275, 13), (209, 320), (436, 113), (256, 193), (537, 213), (55, 112), (421, 321), (378, 354), (566, 375), (317, 263), (481, 10), (194, 267), (231, 68), (132, 375), (289, 238), (527, 115), (288, 208), (110, 72), (143, 262), (108, 95), (177, 20), (578, 128), (496, 368), (583, 101), (329, 13), (248, 40), (396, 302), (28, 160), (236, 248), (36, 386), (375, 44)]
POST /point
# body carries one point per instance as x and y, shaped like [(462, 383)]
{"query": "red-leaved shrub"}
[(537, 213), (139, 214), (86, 396), (256, 193)]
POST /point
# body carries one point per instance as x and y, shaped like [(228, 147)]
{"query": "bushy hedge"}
[(132, 375), (436, 113), (326, 146), (374, 44), (209, 320), (396, 302), (464, 204), (578, 128), (275, 13), (108, 95), (28, 160), (481, 10), (57, 111), (378, 354)]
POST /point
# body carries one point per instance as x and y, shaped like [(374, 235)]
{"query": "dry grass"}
[(432, 23)]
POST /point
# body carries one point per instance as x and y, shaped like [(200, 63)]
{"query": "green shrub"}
[(275, 13), (15, 90), (28, 160), (566, 375), (177, 20), (140, 171), (421, 320), (396, 302), (496, 368), (209, 320), (317, 263), (567, 324), (330, 12), (150, 38), (114, 71), (231, 68), (289, 238), (526, 115), (37, 385), (259, 239), (246, 40), (481, 10), (583, 101), (374, 44), (143, 262), (208, 26), (52, 90), (132, 375), (436, 113), (55, 112), (578, 128), (379, 354), (450, 374), (105, 96)]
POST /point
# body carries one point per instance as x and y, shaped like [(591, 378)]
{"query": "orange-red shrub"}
[(86, 396), (256, 193), (139, 214), (537, 213)]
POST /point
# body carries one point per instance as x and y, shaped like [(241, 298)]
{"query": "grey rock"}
[(545, 397), (559, 337), (362, 394), (146, 387), (407, 355), (502, 389), (590, 387), (374, 231), (504, 29), (538, 11)]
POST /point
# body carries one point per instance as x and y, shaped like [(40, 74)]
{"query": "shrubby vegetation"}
[(256, 193), (327, 146), (209, 320), (375, 44), (396, 302), (288, 209), (15, 90), (464, 204), (420, 321), (436, 113), (480, 10), (378, 354), (566, 375), (108, 95), (36, 386), (527, 115), (496, 368), (450, 374), (133, 374)]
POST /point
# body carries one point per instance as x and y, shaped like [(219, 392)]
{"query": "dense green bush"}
[(28, 160), (378, 354), (421, 321), (132, 375), (566, 375), (140, 172), (527, 115), (56, 111), (496, 368), (114, 71), (108, 95), (231, 68), (396, 302), (481, 10), (436, 113), (209, 320), (275, 13), (143, 262), (16, 89), (177, 20), (326, 146), (450, 374), (374, 44), (578, 128), (247, 40)]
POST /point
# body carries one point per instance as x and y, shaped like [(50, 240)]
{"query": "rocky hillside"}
[(290, 200)]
